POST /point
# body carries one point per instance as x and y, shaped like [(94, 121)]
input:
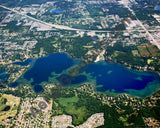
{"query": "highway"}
[(147, 32), (62, 27)]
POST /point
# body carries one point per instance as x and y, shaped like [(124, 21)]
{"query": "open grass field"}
[(143, 51), (11, 101), (135, 53), (77, 114), (68, 101), (153, 50)]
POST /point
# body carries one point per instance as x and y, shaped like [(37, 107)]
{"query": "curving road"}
[(62, 27)]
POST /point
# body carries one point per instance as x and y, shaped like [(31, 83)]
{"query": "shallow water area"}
[(107, 77)]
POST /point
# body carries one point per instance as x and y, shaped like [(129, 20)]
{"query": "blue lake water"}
[(118, 78), (72, 80), (38, 88), (27, 62), (112, 77), (44, 66), (157, 8), (57, 11)]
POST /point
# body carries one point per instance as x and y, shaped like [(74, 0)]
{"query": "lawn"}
[(77, 114), (68, 101), (143, 51), (153, 50), (135, 53), (11, 101)]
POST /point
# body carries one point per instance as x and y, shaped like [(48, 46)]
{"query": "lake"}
[(117, 79), (44, 67), (157, 8), (57, 11), (25, 63), (107, 77)]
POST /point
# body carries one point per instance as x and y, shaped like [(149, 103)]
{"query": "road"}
[(147, 32), (62, 27)]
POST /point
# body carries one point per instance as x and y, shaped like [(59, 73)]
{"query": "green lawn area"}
[(68, 101), (143, 51), (8, 100), (153, 50), (77, 114), (3, 103)]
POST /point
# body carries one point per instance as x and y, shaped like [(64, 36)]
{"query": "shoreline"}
[(132, 68), (112, 93), (108, 92)]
